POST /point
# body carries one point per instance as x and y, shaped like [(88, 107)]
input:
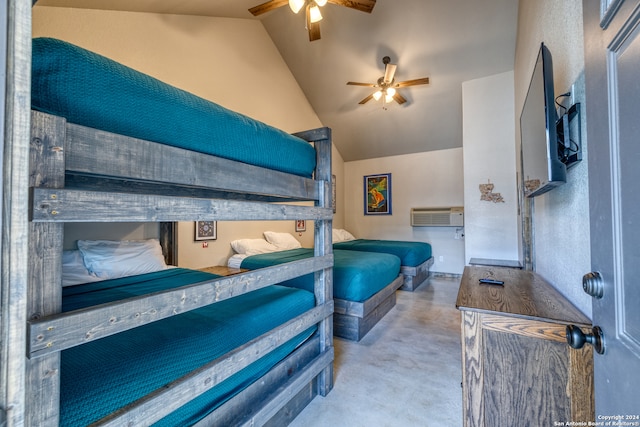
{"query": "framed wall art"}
[(377, 194), (206, 230)]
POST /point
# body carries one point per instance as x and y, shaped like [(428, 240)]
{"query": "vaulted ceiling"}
[(449, 41)]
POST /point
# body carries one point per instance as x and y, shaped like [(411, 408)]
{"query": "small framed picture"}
[(377, 194), (301, 225), (206, 230)]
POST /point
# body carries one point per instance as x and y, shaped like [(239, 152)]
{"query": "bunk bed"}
[(415, 257), (364, 283), (103, 150)]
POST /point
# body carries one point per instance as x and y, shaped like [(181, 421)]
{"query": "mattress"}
[(356, 275), (99, 377), (91, 90), (411, 254)]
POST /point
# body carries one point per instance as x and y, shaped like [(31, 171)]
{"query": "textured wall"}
[(561, 241), (491, 229)]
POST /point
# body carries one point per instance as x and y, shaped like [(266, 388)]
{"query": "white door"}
[(612, 76)]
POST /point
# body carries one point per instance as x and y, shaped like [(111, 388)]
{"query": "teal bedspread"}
[(91, 90), (411, 254), (356, 275), (99, 377)]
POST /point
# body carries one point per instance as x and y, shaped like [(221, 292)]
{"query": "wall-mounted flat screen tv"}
[(542, 169)]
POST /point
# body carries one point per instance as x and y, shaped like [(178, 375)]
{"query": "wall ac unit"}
[(437, 217)]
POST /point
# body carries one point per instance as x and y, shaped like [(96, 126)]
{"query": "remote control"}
[(487, 281)]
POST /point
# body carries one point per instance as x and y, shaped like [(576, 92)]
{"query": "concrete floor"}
[(405, 372)]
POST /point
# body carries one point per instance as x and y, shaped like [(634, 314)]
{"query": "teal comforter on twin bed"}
[(99, 377), (411, 254), (91, 90), (356, 275)]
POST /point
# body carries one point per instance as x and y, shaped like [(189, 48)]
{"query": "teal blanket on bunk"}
[(356, 275), (102, 376), (411, 254), (91, 90)]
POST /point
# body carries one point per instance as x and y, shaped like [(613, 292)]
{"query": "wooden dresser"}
[(517, 366)]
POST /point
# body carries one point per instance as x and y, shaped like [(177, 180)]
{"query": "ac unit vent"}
[(437, 217)]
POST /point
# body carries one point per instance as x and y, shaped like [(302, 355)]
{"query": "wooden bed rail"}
[(65, 330), (92, 157), (61, 205)]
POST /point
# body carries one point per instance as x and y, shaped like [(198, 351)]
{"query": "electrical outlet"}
[(441, 258)]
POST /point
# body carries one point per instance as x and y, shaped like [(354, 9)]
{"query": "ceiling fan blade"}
[(267, 7), (389, 72), (313, 27), (361, 84), (361, 5), (399, 98), (367, 99), (422, 81)]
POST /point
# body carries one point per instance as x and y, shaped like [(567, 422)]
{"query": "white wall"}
[(561, 252), (232, 62), (430, 179), (491, 229)]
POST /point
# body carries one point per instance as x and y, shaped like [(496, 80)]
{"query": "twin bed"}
[(366, 273), (96, 377), (415, 257), (364, 285), (173, 347)]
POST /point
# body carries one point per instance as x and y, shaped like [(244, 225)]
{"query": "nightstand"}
[(223, 270)]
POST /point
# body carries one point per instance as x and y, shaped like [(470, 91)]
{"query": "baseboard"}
[(439, 274)]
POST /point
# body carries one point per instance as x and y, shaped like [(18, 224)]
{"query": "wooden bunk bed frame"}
[(352, 320), (415, 276), (75, 177)]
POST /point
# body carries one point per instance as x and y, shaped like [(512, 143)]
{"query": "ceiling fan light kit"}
[(313, 15)]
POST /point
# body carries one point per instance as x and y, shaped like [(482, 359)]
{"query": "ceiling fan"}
[(387, 86), (312, 10)]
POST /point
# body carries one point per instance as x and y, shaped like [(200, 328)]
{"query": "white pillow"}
[(283, 241), (339, 235), (345, 235), (252, 246), (73, 270), (109, 259)]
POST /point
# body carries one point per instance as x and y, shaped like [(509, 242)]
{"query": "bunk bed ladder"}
[(44, 295)]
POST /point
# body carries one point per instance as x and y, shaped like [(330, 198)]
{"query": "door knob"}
[(593, 284), (577, 339)]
